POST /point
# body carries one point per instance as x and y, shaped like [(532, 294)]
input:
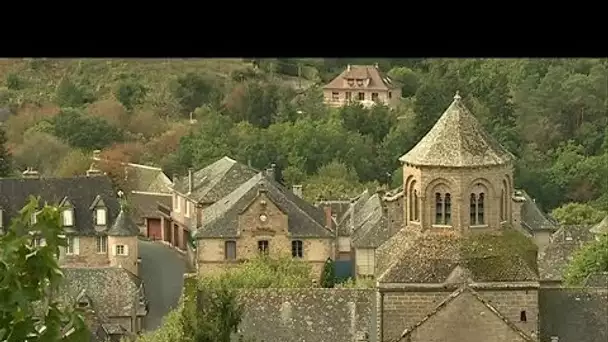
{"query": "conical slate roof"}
[(123, 225), (457, 140)]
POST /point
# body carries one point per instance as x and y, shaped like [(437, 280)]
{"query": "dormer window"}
[(68, 217), (100, 216), (351, 82), (359, 83)]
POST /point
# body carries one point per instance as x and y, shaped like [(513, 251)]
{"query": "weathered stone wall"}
[(316, 315), (87, 256), (511, 303), (128, 261), (402, 310)]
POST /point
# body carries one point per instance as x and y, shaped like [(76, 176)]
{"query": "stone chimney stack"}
[(190, 180), (31, 173), (376, 65), (297, 190), (175, 178), (348, 67)]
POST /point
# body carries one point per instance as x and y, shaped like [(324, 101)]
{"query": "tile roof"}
[(145, 178), (371, 224), (81, 192), (552, 260), (602, 227), (123, 225), (145, 205), (377, 79), (462, 319), (215, 181), (432, 257), (457, 140), (220, 220), (573, 314), (111, 290)]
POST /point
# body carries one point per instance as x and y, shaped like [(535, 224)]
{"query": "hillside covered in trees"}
[(551, 113)]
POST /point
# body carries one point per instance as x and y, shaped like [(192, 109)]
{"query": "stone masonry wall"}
[(87, 256), (402, 310), (511, 303), (316, 315)]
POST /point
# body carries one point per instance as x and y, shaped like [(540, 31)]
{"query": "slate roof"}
[(371, 224), (601, 228), (457, 140), (145, 205), (146, 178), (532, 217), (110, 289), (123, 225), (338, 207), (80, 191), (552, 260), (378, 80), (458, 320), (220, 220), (573, 314), (432, 258), (346, 227), (215, 181)]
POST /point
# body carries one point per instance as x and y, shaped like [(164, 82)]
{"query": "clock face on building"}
[(263, 218)]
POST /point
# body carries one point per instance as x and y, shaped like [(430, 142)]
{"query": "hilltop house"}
[(147, 187), (261, 216), (198, 190), (365, 84), (100, 261)]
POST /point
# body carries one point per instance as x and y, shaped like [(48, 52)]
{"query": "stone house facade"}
[(364, 84), (198, 190), (101, 260), (261, 216)]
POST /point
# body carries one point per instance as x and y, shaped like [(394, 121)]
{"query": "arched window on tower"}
[(443, 209), (502, 205), (504, 202), (477, 206), (416, 206)]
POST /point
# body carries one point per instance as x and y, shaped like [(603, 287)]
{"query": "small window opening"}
[(522, 316)]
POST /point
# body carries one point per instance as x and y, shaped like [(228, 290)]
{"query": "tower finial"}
[(457, 96)]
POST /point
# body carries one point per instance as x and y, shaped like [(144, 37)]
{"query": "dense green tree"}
[(130, 93), (590, 259), (333, 181), (194, 90), (407, 78), (85, 132), (6, 160), (577, 214), (70, 94), (31, 278), (328, 277)]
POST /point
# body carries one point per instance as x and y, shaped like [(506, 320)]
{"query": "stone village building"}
[(454, 253), (364, 84), (100, 263)]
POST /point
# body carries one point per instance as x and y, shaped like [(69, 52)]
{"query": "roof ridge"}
[(274, 183), (476, 295)]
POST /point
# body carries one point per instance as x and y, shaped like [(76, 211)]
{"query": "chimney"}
[(175, 178), (348, 67), (328, 220), (352, 216), (297, 190), (31, 173), (270, 172), (190, 180), (376, 65)]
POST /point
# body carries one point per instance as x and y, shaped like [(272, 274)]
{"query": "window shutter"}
[(114, 247), (76, 245), (126, 249)]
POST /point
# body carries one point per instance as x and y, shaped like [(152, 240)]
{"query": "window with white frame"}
[(72, 247), (121, 250), (100, 216), (102, 244), (68, 217)]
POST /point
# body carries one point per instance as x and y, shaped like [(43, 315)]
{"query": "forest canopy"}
[(550, 113)]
